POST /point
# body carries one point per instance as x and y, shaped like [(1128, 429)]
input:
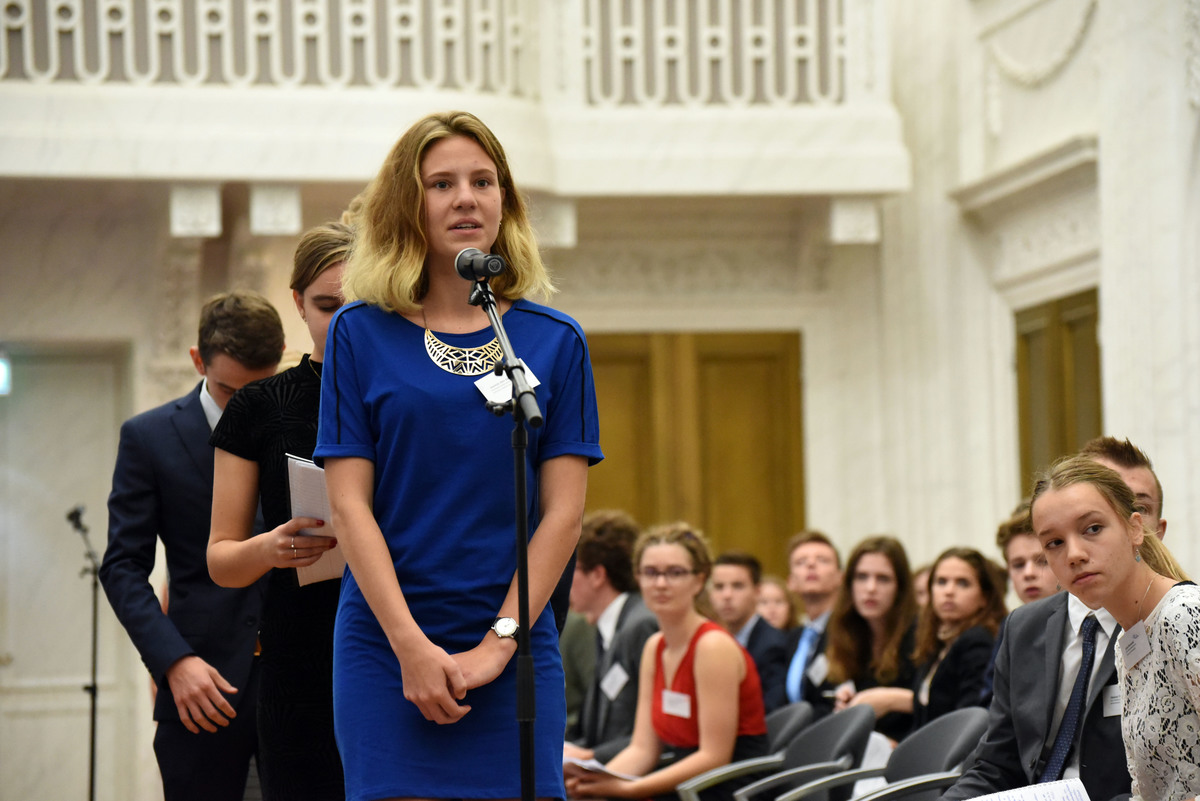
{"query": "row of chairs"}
[(822, 761)]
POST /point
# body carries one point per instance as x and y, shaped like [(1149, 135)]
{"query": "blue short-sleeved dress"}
[(444, 499)]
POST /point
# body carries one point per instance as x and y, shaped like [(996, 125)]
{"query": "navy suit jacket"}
[(769, 649), (1015, 748), (162, 489)]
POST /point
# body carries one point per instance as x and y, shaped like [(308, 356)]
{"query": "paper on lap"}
[(578, 767), (1065, 790)]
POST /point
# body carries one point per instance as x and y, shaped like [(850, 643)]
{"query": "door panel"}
[(58, 432), (704, 428)]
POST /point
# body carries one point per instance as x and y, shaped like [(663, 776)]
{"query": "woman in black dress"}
[(955, 633), (263, 422)]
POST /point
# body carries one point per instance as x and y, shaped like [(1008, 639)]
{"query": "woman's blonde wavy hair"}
[(387, 265)]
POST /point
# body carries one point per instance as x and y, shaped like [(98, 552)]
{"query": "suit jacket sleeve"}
[(996, 763), (134, 511)]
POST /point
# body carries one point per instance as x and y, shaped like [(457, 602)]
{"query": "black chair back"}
[(940, 745), (840, 736), (785, 723)]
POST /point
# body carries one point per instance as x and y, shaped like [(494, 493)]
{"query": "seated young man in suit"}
[(201, 651), (733, 590), (1037, 667), (814, 574), (605, 592)]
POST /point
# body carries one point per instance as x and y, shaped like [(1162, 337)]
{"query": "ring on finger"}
[(293, 543)]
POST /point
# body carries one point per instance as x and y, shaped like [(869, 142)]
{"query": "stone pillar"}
[(1149, 110)]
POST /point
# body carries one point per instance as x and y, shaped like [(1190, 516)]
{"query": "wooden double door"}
[(704, 428)]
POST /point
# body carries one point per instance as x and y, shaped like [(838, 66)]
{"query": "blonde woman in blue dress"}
[(421, 486)]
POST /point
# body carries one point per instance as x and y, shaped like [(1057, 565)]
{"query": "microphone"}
[(473, 264), (75, 518)]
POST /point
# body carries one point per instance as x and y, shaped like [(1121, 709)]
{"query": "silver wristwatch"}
[(505, 628)]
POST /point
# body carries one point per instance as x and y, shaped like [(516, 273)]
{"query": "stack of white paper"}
[(309, 499)]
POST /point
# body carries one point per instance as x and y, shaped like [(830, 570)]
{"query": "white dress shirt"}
[(1072, 656)]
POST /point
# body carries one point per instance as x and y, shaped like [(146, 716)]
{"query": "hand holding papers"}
[(309, 499), (579, 767)]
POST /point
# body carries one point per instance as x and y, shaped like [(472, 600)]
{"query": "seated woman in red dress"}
[(699, 699)]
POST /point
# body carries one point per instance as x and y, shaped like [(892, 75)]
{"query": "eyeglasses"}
[(673, 575)]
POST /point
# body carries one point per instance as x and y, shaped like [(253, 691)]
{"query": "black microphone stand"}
[(92, 567), (524, 409)]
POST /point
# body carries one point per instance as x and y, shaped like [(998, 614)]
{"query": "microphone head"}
[(464, 262), (473, 264)]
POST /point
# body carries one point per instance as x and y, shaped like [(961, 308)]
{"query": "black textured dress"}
[(298, 757)]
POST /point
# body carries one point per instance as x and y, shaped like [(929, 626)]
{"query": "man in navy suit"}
[(201, 652), (734, 593), (814, 574)]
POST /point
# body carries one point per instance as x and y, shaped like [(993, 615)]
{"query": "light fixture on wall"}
[(5, 373)]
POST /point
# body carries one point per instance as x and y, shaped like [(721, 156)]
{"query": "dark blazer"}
[(607, 724), (162, 488), (1014, 750), (958, 682), (768, 648)]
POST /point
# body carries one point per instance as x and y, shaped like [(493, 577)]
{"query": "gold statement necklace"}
[(461, 361)]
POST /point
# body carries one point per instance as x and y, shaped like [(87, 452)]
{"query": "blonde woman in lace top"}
[(1097, 545)]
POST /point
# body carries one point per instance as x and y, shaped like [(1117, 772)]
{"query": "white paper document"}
[(573, 767), (309, 499), (1065, 790)]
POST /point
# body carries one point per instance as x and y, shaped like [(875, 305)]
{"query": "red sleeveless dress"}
[(684, 732)]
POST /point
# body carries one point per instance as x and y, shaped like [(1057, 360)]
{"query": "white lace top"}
[(1160, 719)]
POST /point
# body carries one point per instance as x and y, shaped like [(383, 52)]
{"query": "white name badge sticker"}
[(1111, 696), (1134, 644), (677, 704), (614, 681), (498, 389), (818, 670)]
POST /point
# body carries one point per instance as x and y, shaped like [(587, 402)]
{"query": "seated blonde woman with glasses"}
[(699, 698)]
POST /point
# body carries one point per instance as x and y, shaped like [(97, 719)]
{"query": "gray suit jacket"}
[(607, 723), (1017, 744)]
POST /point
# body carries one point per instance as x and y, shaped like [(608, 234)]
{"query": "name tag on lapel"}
[(818, 670), (614, 681), (1111, 696)]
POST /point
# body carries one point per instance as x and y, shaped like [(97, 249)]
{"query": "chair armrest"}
[(790, 778), (927, 781), (829, 782), (690, 789)]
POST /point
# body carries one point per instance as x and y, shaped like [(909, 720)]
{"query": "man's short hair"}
[(607, 540), (244, 326), (812, 535), (742, 559), (1018, 523), (1125, 454)]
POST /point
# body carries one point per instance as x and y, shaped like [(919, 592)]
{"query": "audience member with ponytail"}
[(1103, 551)]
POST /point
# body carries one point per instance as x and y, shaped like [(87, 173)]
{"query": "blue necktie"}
[(1068, 730), (795, 674)]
